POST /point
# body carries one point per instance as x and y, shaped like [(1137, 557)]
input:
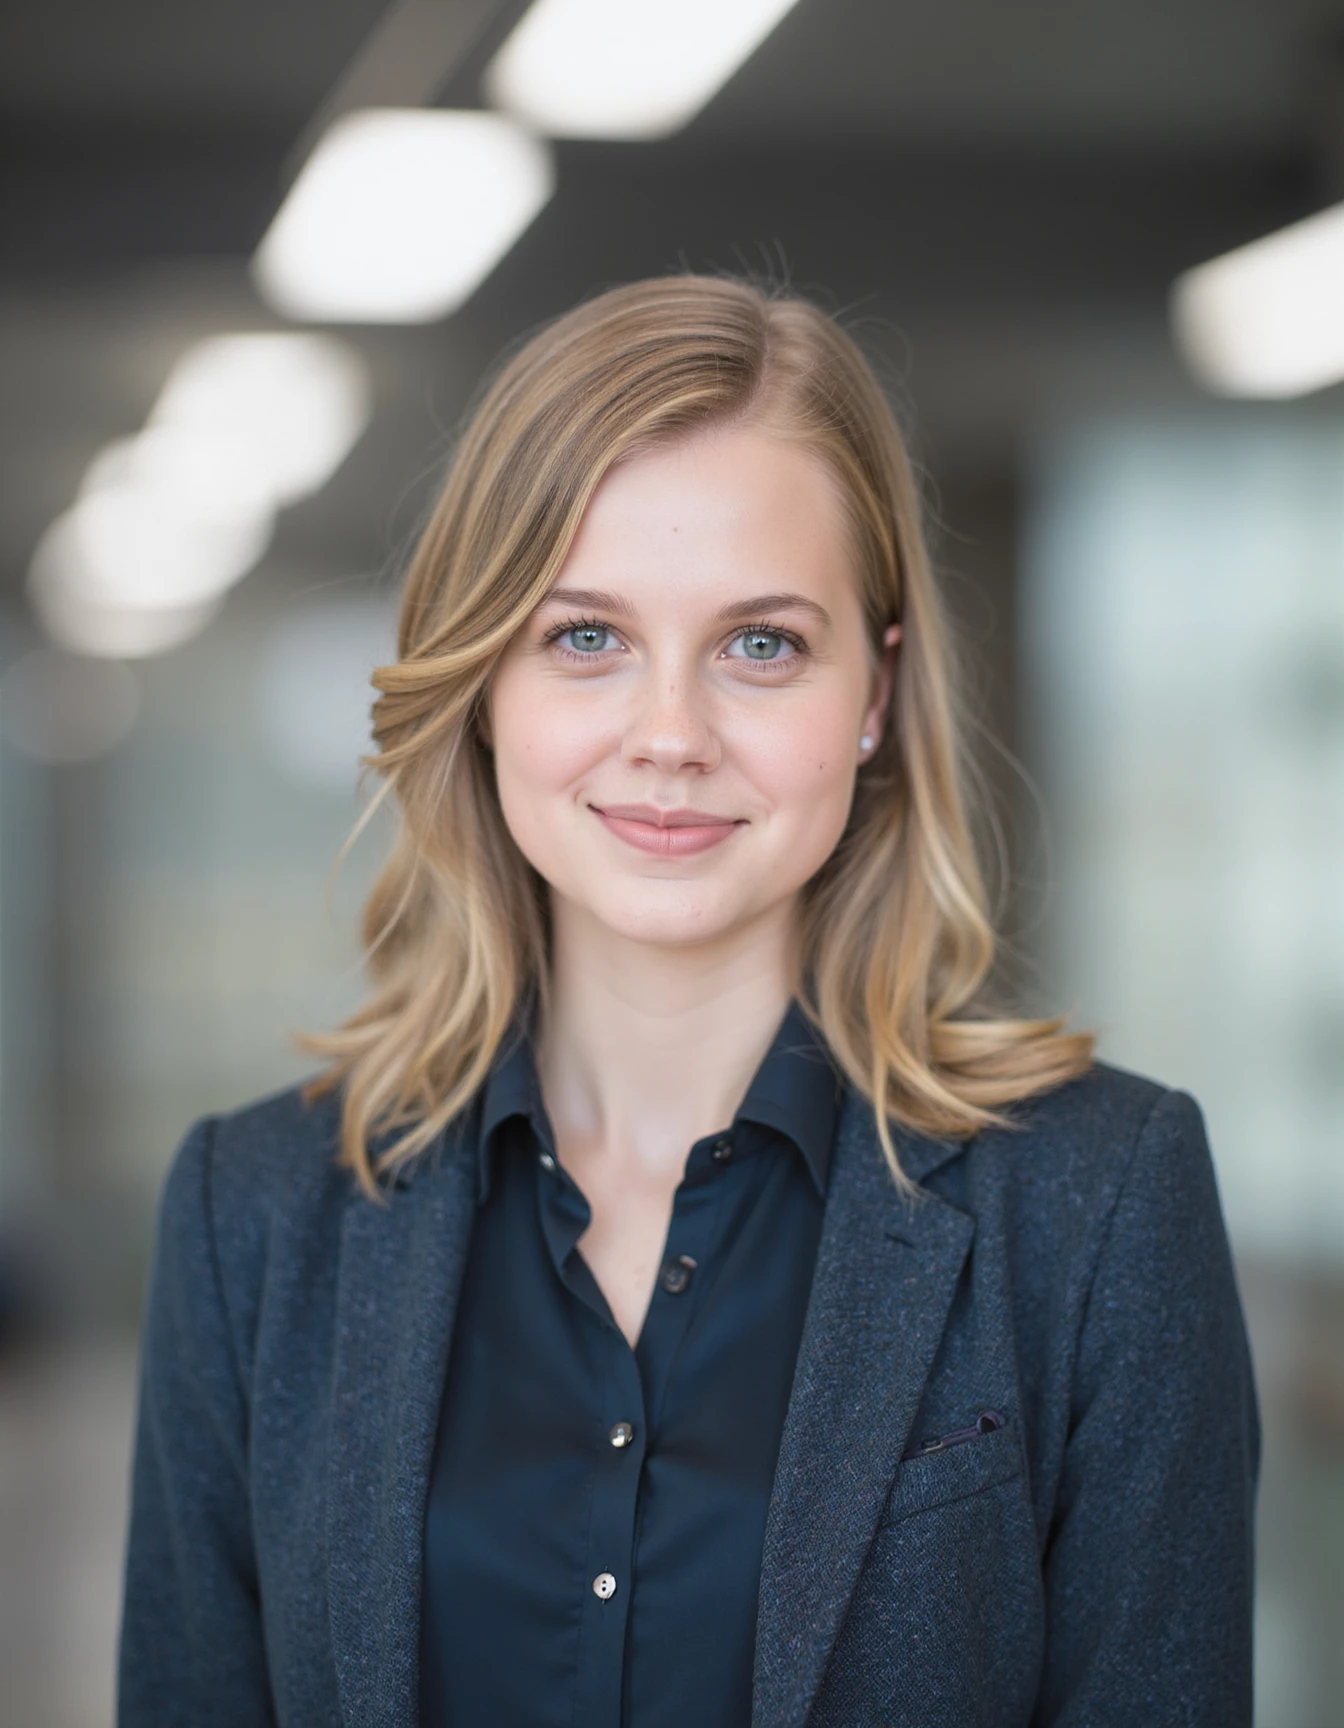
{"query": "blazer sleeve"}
[(191, 1647), (1149, 1563)]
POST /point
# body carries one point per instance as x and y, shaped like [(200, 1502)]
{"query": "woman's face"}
[(676, 728)]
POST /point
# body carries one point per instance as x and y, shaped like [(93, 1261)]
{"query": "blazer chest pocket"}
[(967, 1461)]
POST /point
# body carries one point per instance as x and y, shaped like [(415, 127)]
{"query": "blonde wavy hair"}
[(896, 941)]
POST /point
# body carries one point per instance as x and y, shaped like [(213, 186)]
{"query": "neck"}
[(648, 1048)]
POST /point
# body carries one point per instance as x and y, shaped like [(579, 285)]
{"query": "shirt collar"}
[(796, 1090)]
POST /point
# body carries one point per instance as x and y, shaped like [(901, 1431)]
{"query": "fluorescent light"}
[(1268, 319), (169, 519), (194, 475), (400, 213), (85, 623), (624, 68), (110, 578), (274, 413), (121, 546)]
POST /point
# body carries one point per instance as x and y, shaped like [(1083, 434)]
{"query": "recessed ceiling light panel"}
[(400, 213), (78, 615), (1268, 319), (120, 546), (274, 412), (624, 68)]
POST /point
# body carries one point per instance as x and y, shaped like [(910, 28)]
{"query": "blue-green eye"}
[(586, 639), (761, 644), (765, 645)]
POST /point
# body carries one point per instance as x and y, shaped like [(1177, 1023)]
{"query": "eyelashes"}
[(556, 631), (592, 656)]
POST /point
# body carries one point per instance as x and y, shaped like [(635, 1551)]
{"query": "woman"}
[(587, 1344)]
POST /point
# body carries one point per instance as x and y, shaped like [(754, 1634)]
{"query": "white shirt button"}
[(604, 1585)]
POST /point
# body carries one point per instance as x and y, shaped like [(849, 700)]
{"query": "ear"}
[(876, 713)]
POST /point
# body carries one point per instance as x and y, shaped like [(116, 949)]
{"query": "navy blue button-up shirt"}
[(596, 1514)]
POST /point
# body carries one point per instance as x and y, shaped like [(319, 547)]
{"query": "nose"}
[(670, 727)]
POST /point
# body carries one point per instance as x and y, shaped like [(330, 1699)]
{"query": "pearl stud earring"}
[(866, 742)]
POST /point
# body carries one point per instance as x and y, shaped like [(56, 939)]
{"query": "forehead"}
[(720, 506)]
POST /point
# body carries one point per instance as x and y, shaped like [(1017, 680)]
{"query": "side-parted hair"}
[(896, 941)]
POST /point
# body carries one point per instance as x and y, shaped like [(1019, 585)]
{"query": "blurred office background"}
[(1143, 545)]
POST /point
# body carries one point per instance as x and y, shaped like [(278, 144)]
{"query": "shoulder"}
[(243, 1180), (1092, 1130), (280, 1150), (1109, 1149), (1109, 1213), (1098, 1226), (1100, 1113)]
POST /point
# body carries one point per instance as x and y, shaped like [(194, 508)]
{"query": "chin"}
[(685, 924)]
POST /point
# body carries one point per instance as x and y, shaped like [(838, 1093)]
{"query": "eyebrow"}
[(600, 600)]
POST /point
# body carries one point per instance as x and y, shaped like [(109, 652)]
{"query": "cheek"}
[(543, 746), (806, 774), (810, 758), (540, 742)]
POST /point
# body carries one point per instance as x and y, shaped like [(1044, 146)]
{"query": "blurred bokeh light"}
[(400, 213)]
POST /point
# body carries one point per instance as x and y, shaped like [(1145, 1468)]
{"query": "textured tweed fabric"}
[(1086, 1562)]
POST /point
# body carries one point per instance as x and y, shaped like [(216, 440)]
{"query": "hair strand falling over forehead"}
[(896, 942)]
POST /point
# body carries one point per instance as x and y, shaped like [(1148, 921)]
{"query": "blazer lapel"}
[(885, 1275), (400, 1273)]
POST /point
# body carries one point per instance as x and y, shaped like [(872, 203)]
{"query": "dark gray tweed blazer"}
[(1088, 1563)]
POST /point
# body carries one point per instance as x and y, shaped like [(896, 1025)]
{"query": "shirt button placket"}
[(618, 1464)]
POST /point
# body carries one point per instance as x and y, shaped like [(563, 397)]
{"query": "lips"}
[(683, 818), (665, 833)]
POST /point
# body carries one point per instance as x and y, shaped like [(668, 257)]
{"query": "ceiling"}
[(1215, 72), (999, 194)]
